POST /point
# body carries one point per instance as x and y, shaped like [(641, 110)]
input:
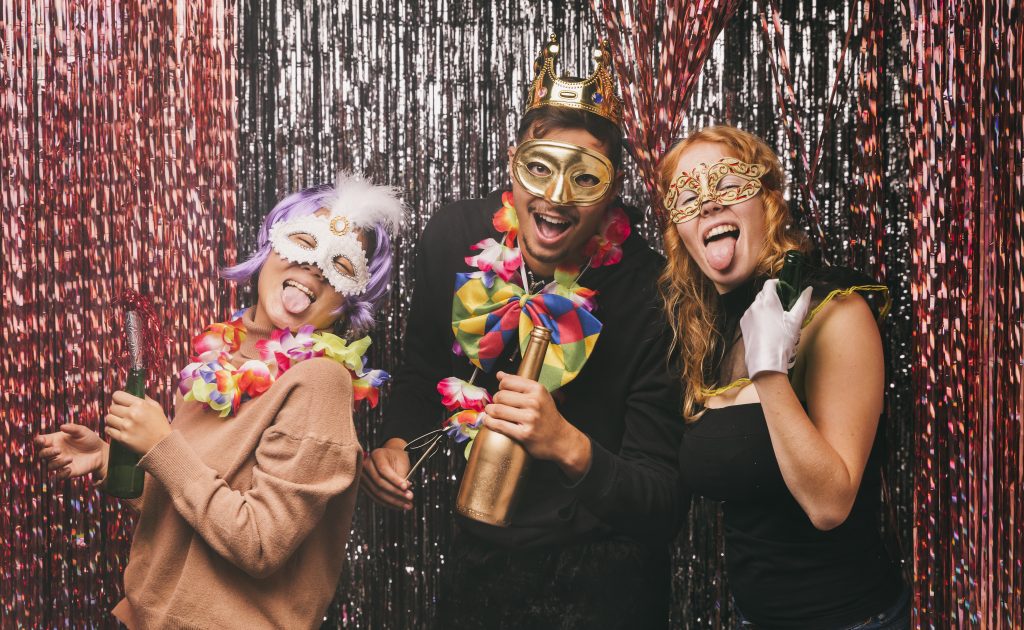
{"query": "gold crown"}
[(596, 94)]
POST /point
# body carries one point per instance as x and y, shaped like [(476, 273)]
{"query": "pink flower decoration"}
[(457, 393), (605, 248), (495, 257), (283, 348), (217, 339)]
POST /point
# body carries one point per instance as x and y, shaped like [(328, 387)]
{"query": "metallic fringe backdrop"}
[(117, 170), (964, 131), (118, 148)]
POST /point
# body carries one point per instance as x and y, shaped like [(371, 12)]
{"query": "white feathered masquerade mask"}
[(329, 241)]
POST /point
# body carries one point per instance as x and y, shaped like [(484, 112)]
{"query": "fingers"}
[(803, 303), (516, 383), (119, 410), (511, 414), (49, 452), (508, 429), (58, 462), (384, 483), (75, 430), (124, 398), (114, 422), (378, 497), (393, 471), (515, 399)]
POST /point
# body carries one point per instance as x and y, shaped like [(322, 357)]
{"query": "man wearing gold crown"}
[(587, 545)]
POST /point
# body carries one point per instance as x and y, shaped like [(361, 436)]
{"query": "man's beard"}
[(569, 213)]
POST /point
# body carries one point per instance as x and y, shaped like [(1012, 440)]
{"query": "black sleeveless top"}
[(783, 571)]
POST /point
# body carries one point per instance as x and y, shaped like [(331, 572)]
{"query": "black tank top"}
[(784, 572)]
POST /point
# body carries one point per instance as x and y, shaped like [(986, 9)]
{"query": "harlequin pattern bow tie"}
[(486, 318)]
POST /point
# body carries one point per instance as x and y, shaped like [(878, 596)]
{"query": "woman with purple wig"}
[(249, 494)]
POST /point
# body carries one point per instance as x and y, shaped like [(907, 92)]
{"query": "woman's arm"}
[(822, 452)]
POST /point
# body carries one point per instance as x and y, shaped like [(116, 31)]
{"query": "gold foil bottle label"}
[(498, 464)]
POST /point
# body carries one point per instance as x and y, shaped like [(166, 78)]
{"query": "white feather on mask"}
[(366, 204)]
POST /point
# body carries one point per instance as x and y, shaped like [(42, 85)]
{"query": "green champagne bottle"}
[(124, 477), (791, 279)]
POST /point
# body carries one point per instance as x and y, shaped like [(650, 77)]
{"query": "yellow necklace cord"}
[(721, 390), (709, 393)]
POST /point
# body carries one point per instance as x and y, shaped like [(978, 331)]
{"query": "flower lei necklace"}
[(501, 259), (213, 380)]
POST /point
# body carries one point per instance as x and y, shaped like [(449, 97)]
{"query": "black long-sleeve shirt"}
[(626, 398)]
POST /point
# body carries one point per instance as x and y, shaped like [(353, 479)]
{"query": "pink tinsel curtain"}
[(117, 170)]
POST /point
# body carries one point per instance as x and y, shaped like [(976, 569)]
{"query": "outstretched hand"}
[(73, 451)]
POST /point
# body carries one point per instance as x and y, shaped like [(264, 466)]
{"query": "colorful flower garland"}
[(499, 260), (213, 380)]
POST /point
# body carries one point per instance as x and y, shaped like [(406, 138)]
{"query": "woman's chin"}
[(279, 317), (729, 278)]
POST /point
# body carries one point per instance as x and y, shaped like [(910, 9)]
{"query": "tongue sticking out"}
[(295, 301), (719, 252)]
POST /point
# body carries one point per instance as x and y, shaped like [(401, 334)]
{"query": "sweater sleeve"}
[(637, 490), (414, 405), (305, 458)]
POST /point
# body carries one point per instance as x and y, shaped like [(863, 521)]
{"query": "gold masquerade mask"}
[(564, 174), (728, 181)]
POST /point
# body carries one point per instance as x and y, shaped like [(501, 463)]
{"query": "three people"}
[(699, 381), (249, 494), (781, 407)]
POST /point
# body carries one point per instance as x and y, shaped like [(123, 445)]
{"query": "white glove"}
[(770, 333)]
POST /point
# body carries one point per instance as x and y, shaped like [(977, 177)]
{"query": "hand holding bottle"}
[(138, 423), (770, 332), (73, 451), (526, 412)]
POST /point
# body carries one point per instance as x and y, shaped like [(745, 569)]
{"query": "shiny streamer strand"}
[(657, 70), (788, 103)]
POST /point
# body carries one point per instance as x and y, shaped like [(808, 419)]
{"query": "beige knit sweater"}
[(245, 519)]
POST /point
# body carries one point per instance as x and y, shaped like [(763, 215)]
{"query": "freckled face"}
[(725, 241)]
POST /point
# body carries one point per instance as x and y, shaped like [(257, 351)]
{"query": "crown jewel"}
[(595, 94)]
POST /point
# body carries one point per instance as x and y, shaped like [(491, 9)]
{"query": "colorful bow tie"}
[(485, 318)]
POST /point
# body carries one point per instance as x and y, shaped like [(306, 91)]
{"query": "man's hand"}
[(384, 472), (73, 451), (138, 423), (525, 411)]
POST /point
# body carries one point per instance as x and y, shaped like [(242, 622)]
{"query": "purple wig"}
[(357, 311)]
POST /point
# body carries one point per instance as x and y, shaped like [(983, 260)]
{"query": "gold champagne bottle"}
[(498, 464)]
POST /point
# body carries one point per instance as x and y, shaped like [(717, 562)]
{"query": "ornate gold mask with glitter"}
[(728, 181)]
